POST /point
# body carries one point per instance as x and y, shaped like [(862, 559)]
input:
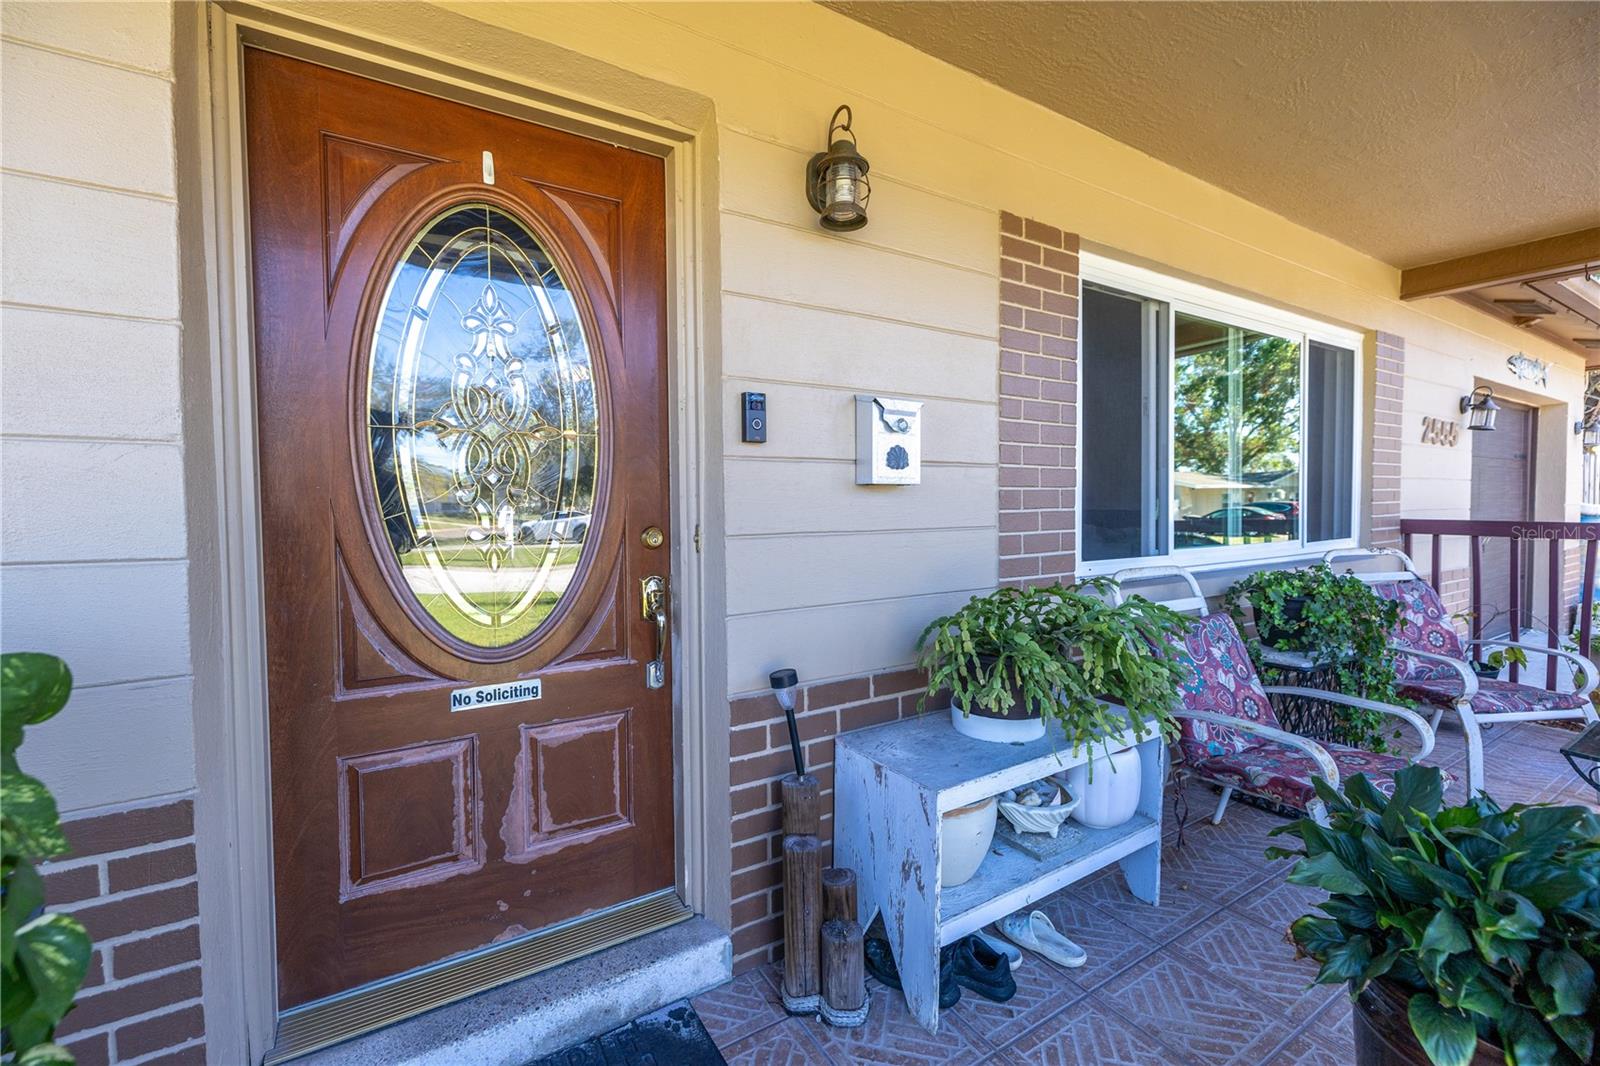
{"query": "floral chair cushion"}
[(1494, 695), (1282, 773), (1223, 681), (1424, 626)]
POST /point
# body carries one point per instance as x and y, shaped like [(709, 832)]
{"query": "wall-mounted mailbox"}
[(888, 441)]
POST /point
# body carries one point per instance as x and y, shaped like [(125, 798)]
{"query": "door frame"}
[(226, 588)]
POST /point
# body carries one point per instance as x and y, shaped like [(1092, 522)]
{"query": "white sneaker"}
[(1036, 932), (1012, 953)]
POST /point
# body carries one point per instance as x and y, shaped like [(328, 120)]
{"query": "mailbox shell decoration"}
[(888, 441)]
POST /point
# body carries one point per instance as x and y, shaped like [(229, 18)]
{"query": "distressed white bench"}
[(892, 785)]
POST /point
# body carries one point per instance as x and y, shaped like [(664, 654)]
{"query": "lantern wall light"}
[(836, 180), (1480, 408)]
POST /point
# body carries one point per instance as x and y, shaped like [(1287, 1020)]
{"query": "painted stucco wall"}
[(91, 482)]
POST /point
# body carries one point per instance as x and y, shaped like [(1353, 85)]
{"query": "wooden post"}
[(844, 983), (844, 987), (802, 805), (802, 894), (838, 894)]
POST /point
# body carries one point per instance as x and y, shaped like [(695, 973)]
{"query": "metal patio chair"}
[(1433, 661), (1229, 734)]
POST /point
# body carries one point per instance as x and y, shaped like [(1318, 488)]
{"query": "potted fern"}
[(1340, 623), (1468, 935), (1017, 658)]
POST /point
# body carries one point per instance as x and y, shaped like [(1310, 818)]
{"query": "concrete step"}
[(517, 1022)]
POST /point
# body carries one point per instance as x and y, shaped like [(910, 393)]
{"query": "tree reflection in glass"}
[(482, 423), (1236, 435)]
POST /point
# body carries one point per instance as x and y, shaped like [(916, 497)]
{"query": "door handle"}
[(653, 605)]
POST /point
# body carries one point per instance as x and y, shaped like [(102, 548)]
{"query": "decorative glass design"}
[(482, 424)]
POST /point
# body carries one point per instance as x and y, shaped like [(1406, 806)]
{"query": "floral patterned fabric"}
[(1284, 774), (1494, 695), (1424, 626), (1223, 682)]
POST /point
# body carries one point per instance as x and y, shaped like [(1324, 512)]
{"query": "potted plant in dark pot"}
[(1468, 935), (1339, 623)]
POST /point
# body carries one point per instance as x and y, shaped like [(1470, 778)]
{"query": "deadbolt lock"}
[(652, 537)]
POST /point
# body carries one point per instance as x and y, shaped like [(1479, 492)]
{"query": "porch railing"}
[(1524, 541)]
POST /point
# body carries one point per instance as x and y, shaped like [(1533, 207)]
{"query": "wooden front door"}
[(459, 327)]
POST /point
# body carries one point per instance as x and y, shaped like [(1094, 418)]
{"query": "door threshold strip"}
[(317, 1025)]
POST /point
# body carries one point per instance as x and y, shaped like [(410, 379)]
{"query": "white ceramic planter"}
[(968, 831), (1113, 795), (996, 730)]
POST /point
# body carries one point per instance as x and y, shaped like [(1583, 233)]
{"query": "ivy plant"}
[(1337, 620), (43, 957), (1059, 652), (1488, 918)]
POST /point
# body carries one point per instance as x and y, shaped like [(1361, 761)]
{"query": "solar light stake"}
[(784, 686)]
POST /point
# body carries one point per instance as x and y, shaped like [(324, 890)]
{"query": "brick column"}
[(1038, 401), (1383, 510)]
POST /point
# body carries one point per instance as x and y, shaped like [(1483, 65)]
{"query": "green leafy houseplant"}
[(1336, 619), (1488, 919), (43, 957), (1059, 652)]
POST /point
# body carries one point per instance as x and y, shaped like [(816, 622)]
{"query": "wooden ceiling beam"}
[(1566, 253)]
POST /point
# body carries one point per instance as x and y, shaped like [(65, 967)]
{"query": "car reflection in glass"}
[(1250, 520), (569, 526)]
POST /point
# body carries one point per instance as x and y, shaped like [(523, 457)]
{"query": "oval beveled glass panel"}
[(482, 424)]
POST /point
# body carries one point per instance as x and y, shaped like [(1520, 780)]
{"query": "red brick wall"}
[(1038, 401), (1383, 516), (760, 756), (130, 879)]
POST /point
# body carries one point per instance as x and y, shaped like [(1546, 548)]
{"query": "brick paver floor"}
[(1208, 977)]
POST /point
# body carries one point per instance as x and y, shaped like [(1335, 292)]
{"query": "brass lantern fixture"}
[(1480, 408), (836, 180)]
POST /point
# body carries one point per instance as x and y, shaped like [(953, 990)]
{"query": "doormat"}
[(671, 1036)]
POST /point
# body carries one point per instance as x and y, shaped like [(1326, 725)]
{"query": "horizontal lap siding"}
[(93, 553), (833, 578), (824, 575)]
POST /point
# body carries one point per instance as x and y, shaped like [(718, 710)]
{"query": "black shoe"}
[(879, 958), (983, 969)]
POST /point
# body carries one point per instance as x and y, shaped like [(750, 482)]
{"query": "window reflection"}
[(1236, 435), (482, 423)]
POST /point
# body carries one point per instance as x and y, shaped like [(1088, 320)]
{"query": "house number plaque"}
[(1444, 431)]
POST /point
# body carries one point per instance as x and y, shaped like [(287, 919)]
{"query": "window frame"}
[(1191, 298)]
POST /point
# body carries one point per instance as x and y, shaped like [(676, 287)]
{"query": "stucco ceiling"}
[(1415, 132)]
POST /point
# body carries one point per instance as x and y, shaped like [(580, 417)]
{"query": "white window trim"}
[(1193, 298)]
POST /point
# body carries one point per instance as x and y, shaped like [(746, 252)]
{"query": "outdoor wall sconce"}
[(1480, 408), (836, 180), (1591, 434)]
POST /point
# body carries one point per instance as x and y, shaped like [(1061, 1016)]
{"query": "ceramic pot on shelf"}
[(1018, 726), (1109, 796), (967, 833)]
